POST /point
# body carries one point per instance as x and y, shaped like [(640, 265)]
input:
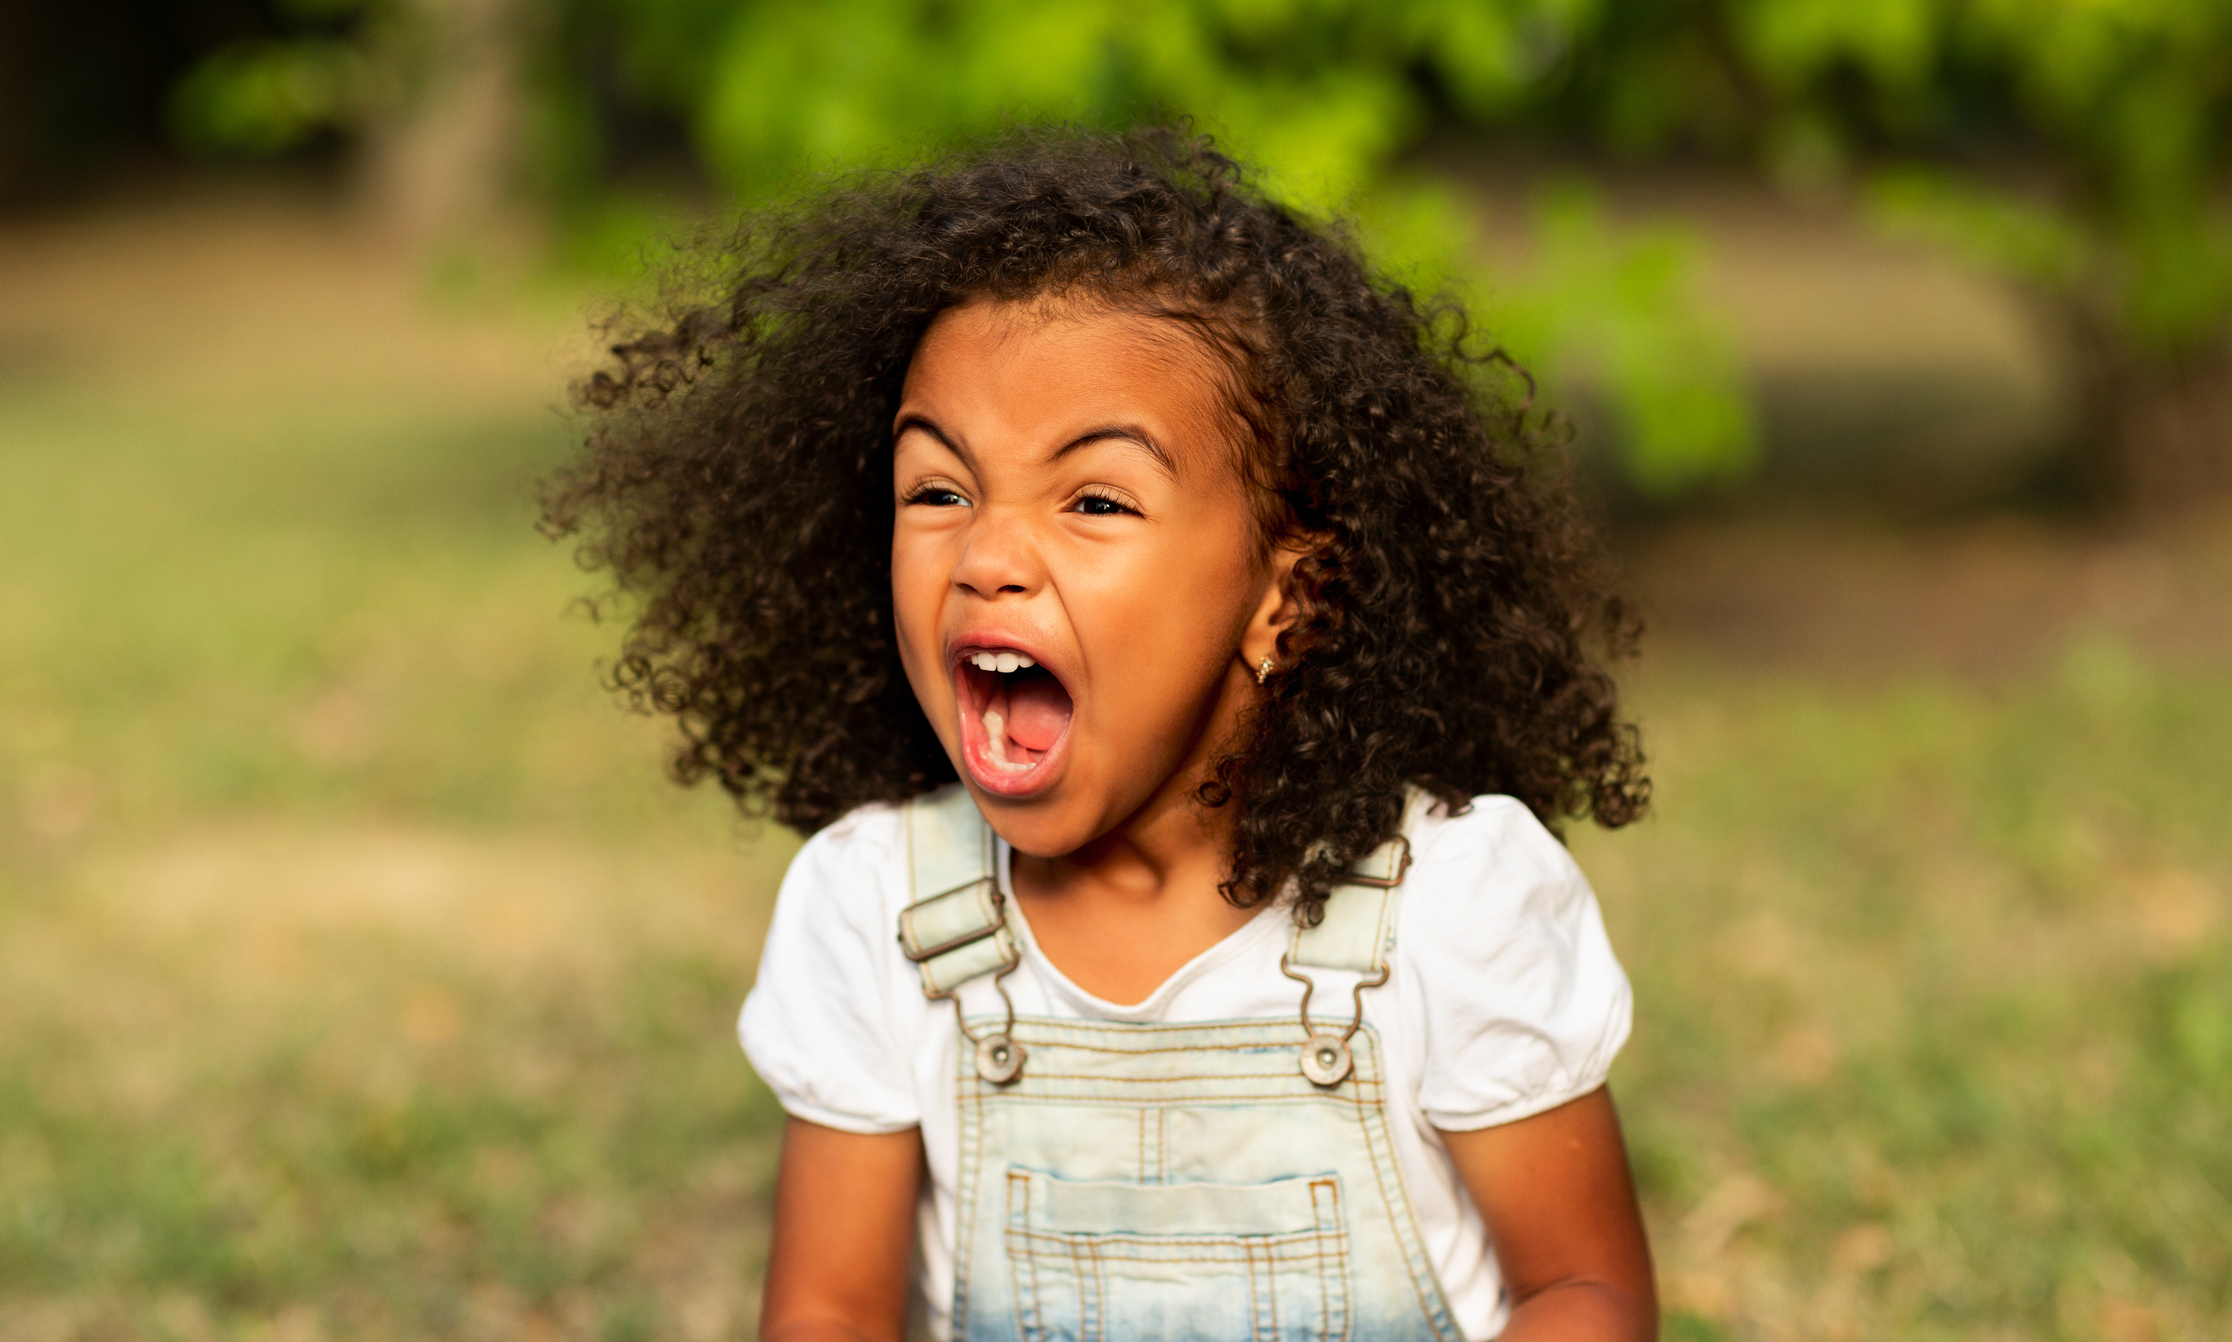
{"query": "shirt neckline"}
[(1153, 1006)]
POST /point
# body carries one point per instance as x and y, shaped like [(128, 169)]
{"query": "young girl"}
[(1154, 621)]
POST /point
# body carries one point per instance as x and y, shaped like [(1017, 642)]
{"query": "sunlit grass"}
[(359, 976), (1935, 1003), (392, 1081)]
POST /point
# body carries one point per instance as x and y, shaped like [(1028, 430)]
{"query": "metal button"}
[(999, 1059), (1325, 1060)]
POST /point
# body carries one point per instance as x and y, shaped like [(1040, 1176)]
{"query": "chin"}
[(1047, 823)]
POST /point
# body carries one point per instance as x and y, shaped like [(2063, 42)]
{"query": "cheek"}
[(1171, 617), (915, 586)]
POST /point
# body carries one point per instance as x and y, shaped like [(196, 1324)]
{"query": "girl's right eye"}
[(937, 496)]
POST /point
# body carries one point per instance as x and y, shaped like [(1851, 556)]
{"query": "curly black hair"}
[(736, 482)]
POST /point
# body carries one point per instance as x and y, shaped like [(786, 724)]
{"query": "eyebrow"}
[(1108, 433), (907, 422), (1121, 433)]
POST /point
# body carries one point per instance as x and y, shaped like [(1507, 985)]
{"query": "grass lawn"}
[(360, 978)]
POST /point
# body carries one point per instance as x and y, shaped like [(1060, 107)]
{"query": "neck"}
[(1172, 843)]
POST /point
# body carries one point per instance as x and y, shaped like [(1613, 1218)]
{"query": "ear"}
[(1274, 612)]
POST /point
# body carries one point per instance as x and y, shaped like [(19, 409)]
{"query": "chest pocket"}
[(1268, 1262)]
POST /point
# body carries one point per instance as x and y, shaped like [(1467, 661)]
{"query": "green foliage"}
[(1326, 92), (330, 71), (271, 96), (1326, 95), (1616, 312), (2078, 144), (2033, 241)]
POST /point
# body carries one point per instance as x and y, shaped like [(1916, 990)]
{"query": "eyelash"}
[(1117, 506), (931, 496), (927, 493)]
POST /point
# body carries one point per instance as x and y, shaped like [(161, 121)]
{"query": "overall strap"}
[(955, 928), (1357, 932)]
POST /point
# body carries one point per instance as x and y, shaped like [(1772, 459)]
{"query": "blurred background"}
[(360, 977)]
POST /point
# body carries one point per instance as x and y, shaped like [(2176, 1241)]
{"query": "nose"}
[(999, 558)]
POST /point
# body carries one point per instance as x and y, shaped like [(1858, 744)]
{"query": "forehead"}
[(1054, 366)]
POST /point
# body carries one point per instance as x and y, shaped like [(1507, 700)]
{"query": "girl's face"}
[(1075, 571)]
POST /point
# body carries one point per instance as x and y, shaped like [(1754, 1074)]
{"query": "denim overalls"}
[(1215, 1181)]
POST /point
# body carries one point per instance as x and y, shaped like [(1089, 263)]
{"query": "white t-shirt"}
[(1504, 1000)]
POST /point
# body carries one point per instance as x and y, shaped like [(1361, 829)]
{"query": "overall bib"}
[(1218, 1181)]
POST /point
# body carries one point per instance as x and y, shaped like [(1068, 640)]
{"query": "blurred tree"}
[(1327, 93), (2078, 146), (430, 89), (82, 85)]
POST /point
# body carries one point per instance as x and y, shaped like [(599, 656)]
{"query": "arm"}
[(1560, 1207), (844, 1235)]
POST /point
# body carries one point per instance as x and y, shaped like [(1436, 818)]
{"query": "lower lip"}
[(976, 754)]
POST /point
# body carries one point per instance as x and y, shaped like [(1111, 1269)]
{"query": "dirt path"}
[(1852, 599)]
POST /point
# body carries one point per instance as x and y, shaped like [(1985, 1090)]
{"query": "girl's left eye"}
[(1102, 505)]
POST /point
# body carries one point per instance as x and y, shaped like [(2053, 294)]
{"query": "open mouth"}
[(1015, 716)]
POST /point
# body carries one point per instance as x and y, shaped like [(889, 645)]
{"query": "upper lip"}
[(987, 640)]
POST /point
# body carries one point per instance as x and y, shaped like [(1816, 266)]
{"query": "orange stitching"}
[(1028, 1261), (1402, 1200), (1364, 1096), (970, 1149), (1052, 1244), (1332, 1186), (1255, 1326), (1088, 1313), (1271, 1289), (1047, 1248), (1275, 1035), (1083, 1099), (1286, 1241), (1163, 1078)]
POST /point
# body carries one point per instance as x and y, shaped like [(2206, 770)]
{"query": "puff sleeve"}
[(1518, 997), (823, 1025)]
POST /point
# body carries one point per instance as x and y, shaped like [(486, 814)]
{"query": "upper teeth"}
[(1002, 662)]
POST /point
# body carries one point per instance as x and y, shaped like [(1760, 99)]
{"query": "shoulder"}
[(1494, 906), (867, 841), (1493, 858), (832, 1013), (850, 874), (1518, 995), (876, 831)]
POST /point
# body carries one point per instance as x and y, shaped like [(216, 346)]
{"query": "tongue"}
[(1038, 710)]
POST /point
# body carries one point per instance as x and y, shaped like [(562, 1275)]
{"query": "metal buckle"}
[(999, 1054), (933, 952), (1325, 1057), (999, 919), (1384, 882)]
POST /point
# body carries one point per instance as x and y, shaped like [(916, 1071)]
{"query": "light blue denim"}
[(1179, 1182)]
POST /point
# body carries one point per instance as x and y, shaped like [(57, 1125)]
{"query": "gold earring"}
[(1263, 670)]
